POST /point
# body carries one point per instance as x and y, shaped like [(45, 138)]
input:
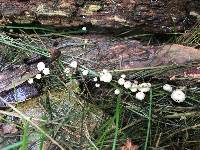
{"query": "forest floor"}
[(72, 111)]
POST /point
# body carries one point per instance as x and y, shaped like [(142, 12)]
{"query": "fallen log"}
[(159, 16), (99, 52)]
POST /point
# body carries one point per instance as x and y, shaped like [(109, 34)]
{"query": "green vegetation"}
[(76, 115)]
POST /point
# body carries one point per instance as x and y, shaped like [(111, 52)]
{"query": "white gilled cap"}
[(144, 87), (167, 88), (85, 72), (121, 81), (73, 64), (117, 91), (40, 66), (38, 76), (46, 71), (140, 95), (30, 81), (178, 96), (105, 76), (127, 84)]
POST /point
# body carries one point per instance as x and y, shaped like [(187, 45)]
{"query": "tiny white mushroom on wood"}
[(40, 66), (140, 95), (46, 71), (178, 96)]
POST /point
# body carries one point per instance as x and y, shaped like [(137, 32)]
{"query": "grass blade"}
[(25, 136), (117, 116), (149, 122)]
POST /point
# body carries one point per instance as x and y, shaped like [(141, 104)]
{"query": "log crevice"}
[(158, 16)]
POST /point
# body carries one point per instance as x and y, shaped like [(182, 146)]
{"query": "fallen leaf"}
[(9, 128), (129, 146)]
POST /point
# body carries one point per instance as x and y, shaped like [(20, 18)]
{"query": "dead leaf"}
[(172, 78), (129, 146), (9, 128)]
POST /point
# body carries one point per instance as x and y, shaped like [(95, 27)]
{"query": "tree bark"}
[(100, 52), (157, 16)]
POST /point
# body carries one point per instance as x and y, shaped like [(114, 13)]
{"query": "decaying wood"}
[(16, 76), (100, 52), (158, 16)]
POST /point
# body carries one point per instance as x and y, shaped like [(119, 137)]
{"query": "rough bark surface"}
[(100, 52), (158, 16)]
